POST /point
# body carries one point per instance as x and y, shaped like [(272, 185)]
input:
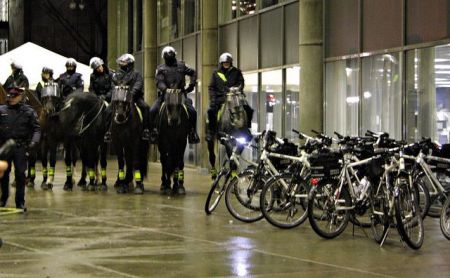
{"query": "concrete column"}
[(311, 64), (112, 33), (150, 48), (209, 54)]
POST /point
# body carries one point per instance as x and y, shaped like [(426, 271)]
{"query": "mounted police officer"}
[(222, 79), (101, 79), (18, 121), (17, 77), (70, 80), (171, 75), (128, 76), (47, 77)]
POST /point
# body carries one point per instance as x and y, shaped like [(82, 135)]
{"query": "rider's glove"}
[(190, 88)]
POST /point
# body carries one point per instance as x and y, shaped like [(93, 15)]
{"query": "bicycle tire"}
[(407, 213), (322, 210), (437, 201), (445, 219), (379, 213), (216, 192), (241, 203), (423, 197), (278, 206)]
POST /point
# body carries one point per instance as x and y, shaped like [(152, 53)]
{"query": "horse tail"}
[(143, 157)]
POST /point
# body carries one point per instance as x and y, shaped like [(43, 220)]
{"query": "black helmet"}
[(71, 62), (47, 70)]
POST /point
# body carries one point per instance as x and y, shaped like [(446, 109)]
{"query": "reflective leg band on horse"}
[(68, 171), (91, 173), (180, 175), (121, 174), (103, 171), (137, 175), (32, 172), (51, 171)]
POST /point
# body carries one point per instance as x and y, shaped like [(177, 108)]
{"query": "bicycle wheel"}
[(423, 197), (445, 219), (379, 212), (216, 192), (407, 213), (242, 197), (437, 199), (284, 207), (325, 218)]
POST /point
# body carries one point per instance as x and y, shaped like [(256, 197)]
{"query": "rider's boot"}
[(153, 136), (107, 137), (193, 137), (145, 134)]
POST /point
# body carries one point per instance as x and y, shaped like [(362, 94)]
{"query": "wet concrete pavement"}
[(87, 234)]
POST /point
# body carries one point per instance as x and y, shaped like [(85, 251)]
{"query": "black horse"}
[(126, 134), (231, 120), (53, 132), (173, 128), (87, 117)]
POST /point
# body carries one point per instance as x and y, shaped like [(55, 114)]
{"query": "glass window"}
[(190, 16), (382, 24), (271, 38), (139, 25), (292, 115), (247, 7), (268, 3), (163, 21), (291, 33), (341, 27), (4, 10), (271, 91), (381, 90), (428, 94), (342, 98), (426, 20), (228, 40), (227, 10), (251, 92), (3, 46), (248, 43)]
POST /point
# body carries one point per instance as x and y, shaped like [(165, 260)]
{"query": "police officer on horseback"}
[(47, 77), (101, 79), (70, 80), (18, 121), (17, 77), (222, 79), (171, 75), (128, 76)]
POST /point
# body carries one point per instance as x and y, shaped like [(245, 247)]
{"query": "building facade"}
[(332, 65)]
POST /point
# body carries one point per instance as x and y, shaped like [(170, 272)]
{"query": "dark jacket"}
[(132, 79), (17, 79), (101, 84), (218, 87), (173, 77), (19, 122), (70, 82)]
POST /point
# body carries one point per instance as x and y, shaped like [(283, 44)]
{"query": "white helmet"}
[(225, 57), (71, 62), (168, 51), (95, 62), (16, 64), (125, 59)]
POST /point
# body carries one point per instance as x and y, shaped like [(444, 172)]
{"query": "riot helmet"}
[(169, 54), (71, 65), (96, 62), (126, 62)]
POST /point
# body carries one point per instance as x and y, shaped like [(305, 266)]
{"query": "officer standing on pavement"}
[(18, 121)]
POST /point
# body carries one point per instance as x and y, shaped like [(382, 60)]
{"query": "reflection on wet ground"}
[(86, 234)]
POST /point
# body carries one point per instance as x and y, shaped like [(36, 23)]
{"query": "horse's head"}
[(235, 105), (51, 98), (122, 104), (173, 99)]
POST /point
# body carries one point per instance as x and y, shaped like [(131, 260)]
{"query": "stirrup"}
[(107, 137), (146, 135), (193, 137), (153, 136)]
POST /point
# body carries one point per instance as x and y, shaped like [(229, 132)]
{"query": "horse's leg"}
[(212, 159), (68, 185), (179, 162), (44, 153), (165, 177), (129, 161), (103, 164), (138, 175), (51, 170), (31, 173)]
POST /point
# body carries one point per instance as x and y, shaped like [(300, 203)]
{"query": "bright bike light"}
[(241, 140)]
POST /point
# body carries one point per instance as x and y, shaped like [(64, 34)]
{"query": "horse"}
[(173, 128), (231, 120), (87, 116), (126, 135), (53, 132)]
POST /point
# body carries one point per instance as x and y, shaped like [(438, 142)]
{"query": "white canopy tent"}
[(33, 58)]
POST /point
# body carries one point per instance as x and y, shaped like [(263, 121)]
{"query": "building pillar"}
[(311, 65), (112, 33), (117, 30), (209, 54)]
